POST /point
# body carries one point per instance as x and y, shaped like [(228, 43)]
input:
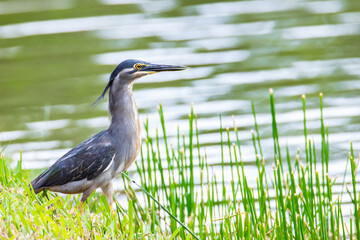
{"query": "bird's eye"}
[(138, 66)]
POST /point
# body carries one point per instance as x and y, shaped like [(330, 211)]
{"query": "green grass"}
[(293, 201), (27, 216)]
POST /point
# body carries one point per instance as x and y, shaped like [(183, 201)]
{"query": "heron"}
[(95, 162)]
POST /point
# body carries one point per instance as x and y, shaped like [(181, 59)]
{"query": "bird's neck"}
[(123, 109), (125, 128)]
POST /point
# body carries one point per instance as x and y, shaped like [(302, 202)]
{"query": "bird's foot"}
[(112, 209)]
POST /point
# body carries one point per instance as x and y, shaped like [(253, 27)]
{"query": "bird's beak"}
[(154, 68)]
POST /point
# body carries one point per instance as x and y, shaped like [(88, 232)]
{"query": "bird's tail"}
[(37, 184), (34, 188)]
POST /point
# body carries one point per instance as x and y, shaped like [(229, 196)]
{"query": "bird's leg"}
[(81, 207), (84, 196), (109, 192)]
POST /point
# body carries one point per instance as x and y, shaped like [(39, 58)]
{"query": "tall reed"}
[(295, 200)]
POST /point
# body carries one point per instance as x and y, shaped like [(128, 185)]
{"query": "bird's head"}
[(127, 71)]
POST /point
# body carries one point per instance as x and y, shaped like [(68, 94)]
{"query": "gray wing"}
[(87, 160)]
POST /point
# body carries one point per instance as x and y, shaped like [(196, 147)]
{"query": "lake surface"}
[(56, 58)]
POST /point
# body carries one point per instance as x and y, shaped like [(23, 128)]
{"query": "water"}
[(56, 57)]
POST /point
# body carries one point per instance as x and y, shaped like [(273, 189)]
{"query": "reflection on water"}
[(56, 56)]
